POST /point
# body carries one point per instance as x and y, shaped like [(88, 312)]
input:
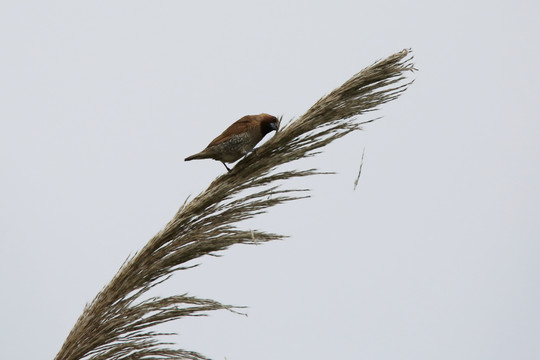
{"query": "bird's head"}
[(268, 123)]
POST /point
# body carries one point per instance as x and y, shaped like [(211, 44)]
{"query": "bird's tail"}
[(201, 155)]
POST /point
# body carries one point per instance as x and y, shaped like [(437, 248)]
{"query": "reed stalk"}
[(118, 323)]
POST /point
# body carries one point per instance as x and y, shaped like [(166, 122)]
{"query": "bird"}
[(239, 139)]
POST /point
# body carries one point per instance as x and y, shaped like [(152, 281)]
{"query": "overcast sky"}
[(434, 256)]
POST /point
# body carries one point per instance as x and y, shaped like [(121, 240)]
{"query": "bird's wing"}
[(238, 127)]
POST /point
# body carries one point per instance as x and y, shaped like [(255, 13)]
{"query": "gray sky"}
[(434, 256)]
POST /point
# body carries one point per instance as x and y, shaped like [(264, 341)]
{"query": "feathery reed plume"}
[(117, 323)]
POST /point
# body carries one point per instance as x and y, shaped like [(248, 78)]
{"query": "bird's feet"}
[(254, 151), (226, 167)]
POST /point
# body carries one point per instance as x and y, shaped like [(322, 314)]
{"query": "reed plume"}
[(118, 323)]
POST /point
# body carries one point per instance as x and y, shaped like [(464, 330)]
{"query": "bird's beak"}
[(274, 126)]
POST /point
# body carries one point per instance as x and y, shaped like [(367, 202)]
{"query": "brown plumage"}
[(238, 139)]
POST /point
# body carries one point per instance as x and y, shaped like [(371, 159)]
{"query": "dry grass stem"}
[(117, 323), (359, 170)]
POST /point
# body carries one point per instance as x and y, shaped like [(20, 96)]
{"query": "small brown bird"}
[(238, 139)]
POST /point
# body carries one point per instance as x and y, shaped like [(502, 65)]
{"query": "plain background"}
[(434, 256)]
